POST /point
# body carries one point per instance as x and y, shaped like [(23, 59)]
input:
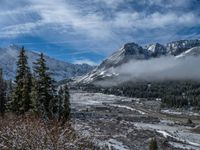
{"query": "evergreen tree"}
[(66, 102), (60, 103), (35, 97), (44, 92), (9, 92), (21, 94), (153, 144), (54, 101), (2, 94), (63, 103)]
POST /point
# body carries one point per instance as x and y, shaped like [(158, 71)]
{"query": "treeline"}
[(177, 94), (34, 91)]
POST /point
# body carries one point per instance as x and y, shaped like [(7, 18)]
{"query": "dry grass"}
[(30, 133)]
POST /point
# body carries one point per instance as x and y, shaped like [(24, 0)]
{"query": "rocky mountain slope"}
[(59, 69), (178, 47), (134, 52)]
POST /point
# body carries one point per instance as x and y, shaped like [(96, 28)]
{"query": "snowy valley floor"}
[(120, 123), (104, 122)]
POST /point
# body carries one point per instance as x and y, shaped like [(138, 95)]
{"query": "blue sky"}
[(87, 31)]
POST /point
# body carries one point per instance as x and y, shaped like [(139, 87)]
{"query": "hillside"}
[(59, 69)]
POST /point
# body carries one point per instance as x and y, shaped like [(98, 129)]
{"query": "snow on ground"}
[(167, 122), (129, 108), (183, 146), (113, 144), (172, 112), (93, 99), (180, 133), (164, 133), (108, 129)]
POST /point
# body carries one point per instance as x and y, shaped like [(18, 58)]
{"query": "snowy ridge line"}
[(132, 52)]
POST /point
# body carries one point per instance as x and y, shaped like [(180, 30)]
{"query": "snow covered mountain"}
[(134, 52), (156, 50), (59, 69), (130, 51), (178, 47), (195, 51)]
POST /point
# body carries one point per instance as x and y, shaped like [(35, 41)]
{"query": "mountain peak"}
[(132, 49), (156, 50), (129, 51), (130, 45)]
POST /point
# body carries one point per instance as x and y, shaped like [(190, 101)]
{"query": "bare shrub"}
[(29, 132)]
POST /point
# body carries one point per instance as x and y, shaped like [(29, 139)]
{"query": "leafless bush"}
[(29, 132)]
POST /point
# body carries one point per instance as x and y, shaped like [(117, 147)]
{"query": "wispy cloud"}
[(101, 25), (85, 61)]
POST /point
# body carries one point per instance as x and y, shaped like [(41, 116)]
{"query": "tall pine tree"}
[(35, 96), (60, 103), (21, 94), (63, 103), (44, 91), (9, 92), (66, 101), (2, 94)]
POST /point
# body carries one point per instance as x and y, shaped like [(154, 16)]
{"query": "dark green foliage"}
[(43, 93), (21, 101), (2, 94), (189, 121), (60, 103), (9, 92), (177, 94), (46, 101), (63, 103), (54, 101), (35, 97), (36, 93), (66, 102), (153, 144)]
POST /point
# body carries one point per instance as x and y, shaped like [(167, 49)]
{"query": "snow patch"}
[(171, 112), (114, 144), (180, 133), (129, 108)]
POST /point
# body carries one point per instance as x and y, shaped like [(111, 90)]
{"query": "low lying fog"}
[(164, 68)]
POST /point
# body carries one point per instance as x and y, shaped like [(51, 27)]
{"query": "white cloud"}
[(137, 20), (15, 30), (61, 14), (166, 3), (86, 61), (93, 24), (111, 3), (82, 21)]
